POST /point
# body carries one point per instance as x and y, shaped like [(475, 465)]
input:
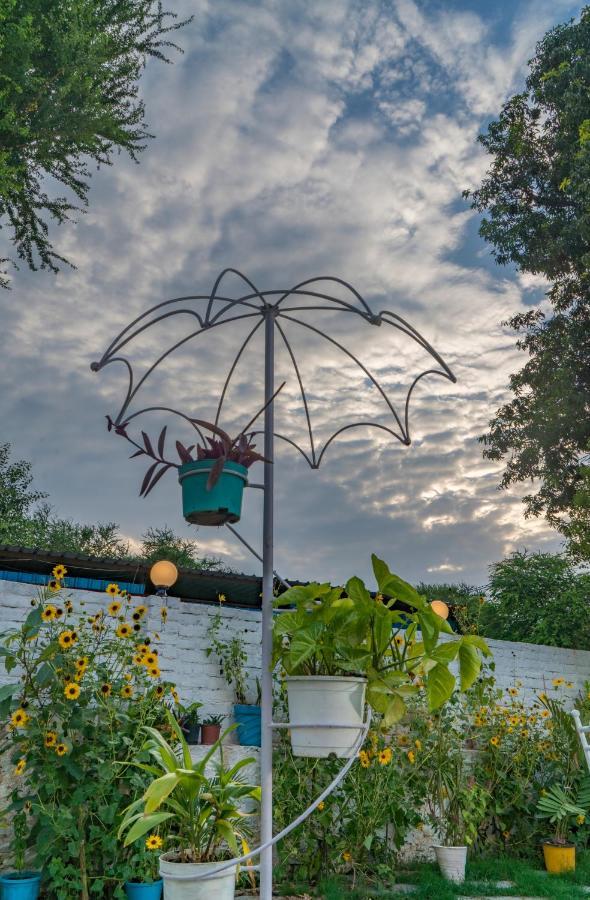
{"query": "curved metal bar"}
[(175, 347), (335, 280), (169, 409), (412, 332), (220, 278), (233, 368), (412, 386), (296, 822), (301, 388), (167, 315), (402, 440), (294, 444), (355, 360), (125, 362)]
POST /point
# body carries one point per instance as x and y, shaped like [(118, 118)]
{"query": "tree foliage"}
[(69, 97), (539, 598), (536, 201)]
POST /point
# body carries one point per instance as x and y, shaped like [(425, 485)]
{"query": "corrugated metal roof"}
[(192, 585)]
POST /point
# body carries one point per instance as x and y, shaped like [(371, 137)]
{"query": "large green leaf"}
[(304, 645), (445, 653), (430, 628), (357, 591), (159, 790), (394, 711), (145, 824), (8, 690), (439, 686), (469, 665)]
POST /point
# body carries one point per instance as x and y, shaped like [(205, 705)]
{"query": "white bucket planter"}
[(317, 700), (179, 885), (451, 862)]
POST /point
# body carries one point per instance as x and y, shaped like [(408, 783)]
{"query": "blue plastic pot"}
[(151, 890), (249, 724), (223, 503), (20, 885)]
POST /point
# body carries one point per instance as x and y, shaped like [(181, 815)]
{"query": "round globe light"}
[(440, 608), (163, 574)]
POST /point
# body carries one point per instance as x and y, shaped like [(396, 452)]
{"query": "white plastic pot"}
[(179, 885), (320, 700), (451, 862)]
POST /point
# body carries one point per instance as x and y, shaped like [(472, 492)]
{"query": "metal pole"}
[(266, 824)]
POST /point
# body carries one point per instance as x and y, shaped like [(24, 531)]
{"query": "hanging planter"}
[(332, 701), (216, 505)]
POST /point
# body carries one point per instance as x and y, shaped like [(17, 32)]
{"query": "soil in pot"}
[(559, 857)]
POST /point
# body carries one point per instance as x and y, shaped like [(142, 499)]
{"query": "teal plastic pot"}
[(249, 724), (223, 503), (20, 885), (151, 890)]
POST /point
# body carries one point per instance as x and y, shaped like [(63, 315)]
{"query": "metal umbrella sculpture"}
[(219, 454)]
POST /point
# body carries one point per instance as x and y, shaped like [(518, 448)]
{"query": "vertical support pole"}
[(266, 824)]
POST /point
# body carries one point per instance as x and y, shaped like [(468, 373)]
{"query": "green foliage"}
[(162, 543), (69, 97), (232, 659), (536, 198), (76, 714), (200, 816), (564, 808), (335, 631), (464, 601), (16, 497), (539, 598)]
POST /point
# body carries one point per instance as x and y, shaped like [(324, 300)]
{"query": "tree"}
[(16, 497), (163, 543), (69, 97), (539, 598), (536, 196)]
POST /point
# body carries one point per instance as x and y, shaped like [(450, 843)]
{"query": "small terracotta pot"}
[(210, 733), (559, 858)]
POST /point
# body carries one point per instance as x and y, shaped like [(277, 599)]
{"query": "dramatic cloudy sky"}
[(297, 139)]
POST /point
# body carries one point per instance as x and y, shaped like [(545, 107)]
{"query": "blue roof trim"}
[(83, 584)]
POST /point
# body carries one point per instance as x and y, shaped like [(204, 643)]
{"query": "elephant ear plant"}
[(199, 817), (348, 632)]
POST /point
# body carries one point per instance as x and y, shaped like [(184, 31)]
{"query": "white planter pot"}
[(179, 885), (317, 700), (451, 862)]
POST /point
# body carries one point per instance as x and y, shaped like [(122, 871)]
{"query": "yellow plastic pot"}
[(559, 858)]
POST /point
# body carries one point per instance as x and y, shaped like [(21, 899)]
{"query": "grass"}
[(530, 880)]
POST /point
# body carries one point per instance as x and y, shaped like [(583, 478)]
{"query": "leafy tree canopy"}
[(539, 598), (69, 97), (536, 201)]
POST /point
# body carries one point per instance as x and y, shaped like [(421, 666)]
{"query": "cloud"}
[(296, 140)]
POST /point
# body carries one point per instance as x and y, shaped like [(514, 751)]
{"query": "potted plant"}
[(188, 719), (562, 807), (199, 818), (455, 803), (141, 868), (211, 729), (232, 659), (20, 884), (339, 647)]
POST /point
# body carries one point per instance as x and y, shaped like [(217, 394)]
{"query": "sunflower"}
[(139, 611), (50, 739), (385, 757), (124, 630), (154, 672), (54, 585), (163, 613), (113, 590), (175, 696), (495, 741), (49, 612), (411, 757), (321, 806), (126, 691), (69, 606), (61, 749), (20, 766), (138, 659), (82, 662), (72, 691), (347, 856), (150, 659), (399, 640), (106, 690), (114, 607), (557, 682), (153, 842), (137, 626), (67, 639), (513, 691), (364, 759), (418, 744), (159, 691), (142, 648), (221, 598), (59, 572), (19, 718)]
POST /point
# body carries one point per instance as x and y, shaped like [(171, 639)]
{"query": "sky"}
[(296, 140)]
